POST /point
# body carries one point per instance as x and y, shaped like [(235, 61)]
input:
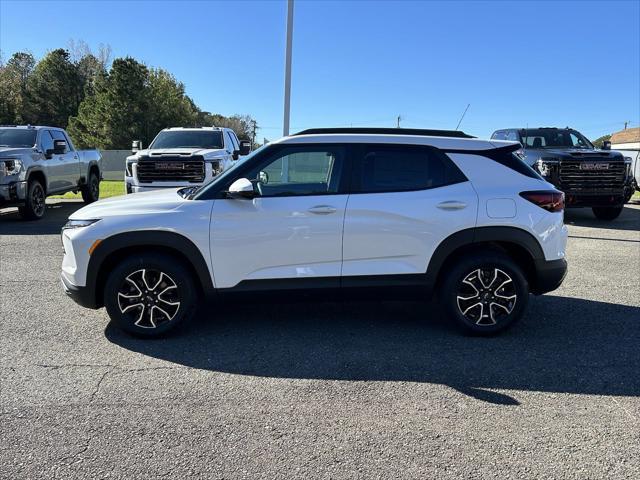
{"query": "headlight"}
[(128, 169), (10, 166), (79, 223), (627, 162), (546, 165)]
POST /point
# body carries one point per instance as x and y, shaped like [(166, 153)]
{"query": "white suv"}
[(420, 210), (183, 156)]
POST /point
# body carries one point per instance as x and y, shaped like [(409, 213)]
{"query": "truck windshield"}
[(17, 137), (554, 138), (188, 139)]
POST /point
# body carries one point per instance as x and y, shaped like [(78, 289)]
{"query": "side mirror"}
[(241, 188), (245, 147), (136, 145), (606, 145), (59, 147)]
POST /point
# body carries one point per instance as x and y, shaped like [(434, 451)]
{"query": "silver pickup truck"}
[(36, 162)]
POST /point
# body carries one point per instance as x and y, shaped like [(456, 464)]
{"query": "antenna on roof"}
[(398, 121), (463, 114)]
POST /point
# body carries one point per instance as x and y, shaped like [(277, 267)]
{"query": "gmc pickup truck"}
[(36, 162), (589, 177), (183, 157)]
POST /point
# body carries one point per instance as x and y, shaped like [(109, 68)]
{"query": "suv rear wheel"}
[(150, 294), (485, 292), (607, 213)]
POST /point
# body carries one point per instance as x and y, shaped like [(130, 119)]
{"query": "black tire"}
[(157, 313), (459, 292), (91, 191), (34, 206), (607, 213)]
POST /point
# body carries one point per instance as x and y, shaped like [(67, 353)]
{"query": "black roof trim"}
[(386, 131)]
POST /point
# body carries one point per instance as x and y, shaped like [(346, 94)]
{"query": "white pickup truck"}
[(36, 162), (183, 157)]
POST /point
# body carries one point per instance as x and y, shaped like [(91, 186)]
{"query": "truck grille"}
[(168, 169), (574, 179)]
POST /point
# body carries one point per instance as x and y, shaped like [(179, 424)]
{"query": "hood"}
[(205, 152), (17, 151), (155, 201), (579, 153)]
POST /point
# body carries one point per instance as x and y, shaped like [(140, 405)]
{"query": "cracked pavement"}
[(320, 389)]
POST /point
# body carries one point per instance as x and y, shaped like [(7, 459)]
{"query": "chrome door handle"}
[(451, 205), (322, 209)]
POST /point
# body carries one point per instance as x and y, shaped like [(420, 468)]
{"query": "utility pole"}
[(253, 134), (287, 70), (398, 121)]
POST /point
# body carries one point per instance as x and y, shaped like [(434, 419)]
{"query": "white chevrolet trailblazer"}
[(183, 156), (395, 210)]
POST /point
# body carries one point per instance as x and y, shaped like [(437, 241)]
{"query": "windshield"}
[(225, 175), (17, 137), (188, 139), (554, 138)]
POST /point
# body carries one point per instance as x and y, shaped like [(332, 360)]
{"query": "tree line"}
[(102, 104)]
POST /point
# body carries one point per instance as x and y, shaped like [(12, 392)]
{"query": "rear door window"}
[(400, 168)]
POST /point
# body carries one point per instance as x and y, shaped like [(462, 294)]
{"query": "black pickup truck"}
[(589, 177)]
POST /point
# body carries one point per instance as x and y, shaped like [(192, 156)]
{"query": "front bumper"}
[(549, 275), (13, 193), (83, 296)]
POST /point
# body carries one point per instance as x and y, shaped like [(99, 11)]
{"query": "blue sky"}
[(365, 62)]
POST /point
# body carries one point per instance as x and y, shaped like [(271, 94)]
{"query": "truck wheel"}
[(607, 213), (91, 191), (34, 205), (484, 292), (149, 294)]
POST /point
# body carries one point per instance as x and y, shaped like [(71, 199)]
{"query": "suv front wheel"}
[(484, 292), (150, 294)]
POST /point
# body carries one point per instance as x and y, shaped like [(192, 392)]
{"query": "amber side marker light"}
[(550, 200), (94, 246)]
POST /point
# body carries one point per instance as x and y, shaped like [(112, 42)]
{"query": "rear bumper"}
[(83, 296), (549, 275)]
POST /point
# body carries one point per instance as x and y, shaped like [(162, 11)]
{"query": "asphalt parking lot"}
[(327, 390)]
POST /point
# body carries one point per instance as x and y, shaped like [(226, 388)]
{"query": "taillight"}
[(550, 200)]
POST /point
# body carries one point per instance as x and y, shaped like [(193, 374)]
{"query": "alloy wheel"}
[(38, 200), (95, 187), (149, 297), (486, 296)]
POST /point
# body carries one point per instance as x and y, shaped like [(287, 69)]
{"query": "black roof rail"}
[(386, 131)]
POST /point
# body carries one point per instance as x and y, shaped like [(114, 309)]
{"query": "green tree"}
[(598, 142), (53, 90), (168, 105), (116, 113), (13, 84)]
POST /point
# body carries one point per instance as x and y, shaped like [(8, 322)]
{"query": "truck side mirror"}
[(606, 145), (136, 145), (59, 147), (245, 147)]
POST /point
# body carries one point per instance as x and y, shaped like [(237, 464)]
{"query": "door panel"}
[(292, 229), (269, 238), (396, 233), (406, 200)]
